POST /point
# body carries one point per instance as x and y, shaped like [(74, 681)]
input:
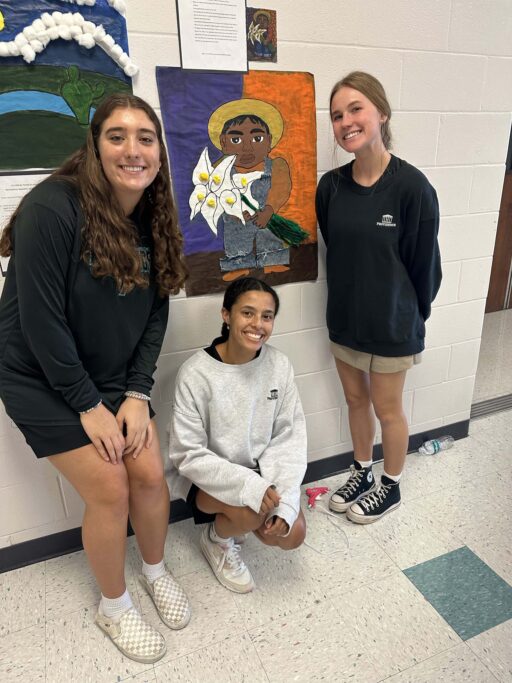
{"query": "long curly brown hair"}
[(108, 234)]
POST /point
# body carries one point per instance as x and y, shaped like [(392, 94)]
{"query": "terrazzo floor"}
[(422, 596)]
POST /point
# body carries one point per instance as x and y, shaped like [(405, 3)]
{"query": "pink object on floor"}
[(314, 493)]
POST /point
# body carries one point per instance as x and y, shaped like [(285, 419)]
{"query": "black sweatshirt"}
[(383, 261), (68, 339)]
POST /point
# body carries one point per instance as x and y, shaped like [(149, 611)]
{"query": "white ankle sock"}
[(214, 536), (394, 477), (114, 608), (365, 463), (152, 572)]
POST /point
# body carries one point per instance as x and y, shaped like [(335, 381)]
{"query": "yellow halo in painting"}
[(261, 12), (2, 22), (246, 107)]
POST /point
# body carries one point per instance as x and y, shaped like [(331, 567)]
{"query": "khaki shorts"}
[(368, 362)]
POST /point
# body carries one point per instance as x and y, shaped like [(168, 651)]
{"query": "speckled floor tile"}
[(410, 539), (497, 423), (457, 665), (231, 660), (493, 648), (287, 582), (464, 590), (77, 650), (348, 641), (71, 586), (22, 607), (496, 448), (214, 615), (468, 509), (496, 553), (22, 656), (144, 677), (469, 460)]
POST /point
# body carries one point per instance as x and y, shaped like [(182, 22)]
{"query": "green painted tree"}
[(80, 94)]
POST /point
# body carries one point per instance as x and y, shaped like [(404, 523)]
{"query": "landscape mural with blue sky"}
[(45, 106)]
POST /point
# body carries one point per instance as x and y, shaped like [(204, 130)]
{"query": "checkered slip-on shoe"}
[(170, 600), (133, 636)]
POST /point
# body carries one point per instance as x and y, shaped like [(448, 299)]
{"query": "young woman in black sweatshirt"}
[(379, 217), (95, 251)]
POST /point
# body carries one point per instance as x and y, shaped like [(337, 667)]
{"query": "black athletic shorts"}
[(200, 517), (47, 440)]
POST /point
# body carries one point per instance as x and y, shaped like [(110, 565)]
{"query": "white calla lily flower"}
[(242, 182), (196, 199), (231, 202), (216, 191), (202, 171), (212, 210)]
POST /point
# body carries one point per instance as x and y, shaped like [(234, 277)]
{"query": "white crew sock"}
[(365, 463), (114, 608), (214, 536), (394, 477), (152, 572)]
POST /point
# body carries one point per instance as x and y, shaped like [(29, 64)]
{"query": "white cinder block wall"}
[(447, 68)]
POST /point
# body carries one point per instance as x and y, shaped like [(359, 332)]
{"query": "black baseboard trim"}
[(70, 541)]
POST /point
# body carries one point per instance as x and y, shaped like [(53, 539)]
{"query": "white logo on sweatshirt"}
[(386, 221)]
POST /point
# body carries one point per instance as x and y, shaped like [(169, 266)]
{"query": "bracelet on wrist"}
[(89, 410), (138, 395)]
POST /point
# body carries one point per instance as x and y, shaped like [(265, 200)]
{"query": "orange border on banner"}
[(293, 93)]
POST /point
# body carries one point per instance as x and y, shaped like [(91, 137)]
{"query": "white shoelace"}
[(375, 498), (352, 482), (232, 558)]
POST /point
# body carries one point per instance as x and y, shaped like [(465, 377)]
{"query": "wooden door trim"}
[(502, 257)]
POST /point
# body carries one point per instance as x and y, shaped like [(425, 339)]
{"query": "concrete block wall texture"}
[(447, 68)]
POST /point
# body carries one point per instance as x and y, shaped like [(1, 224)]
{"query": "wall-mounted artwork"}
[(261, 34), (243, 162), (58, 59)]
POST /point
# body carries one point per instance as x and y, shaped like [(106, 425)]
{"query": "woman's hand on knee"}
[(134, 413), (275, 526), (101, 427)]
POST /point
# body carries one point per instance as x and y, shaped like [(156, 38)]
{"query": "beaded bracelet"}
[(89, 410), (137, 394)]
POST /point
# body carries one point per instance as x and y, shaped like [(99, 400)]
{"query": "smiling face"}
[(250, 142), (251, 321), (129, 152), (356, 122)]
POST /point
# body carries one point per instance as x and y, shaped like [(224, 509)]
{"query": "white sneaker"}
[(135, 638), (226, 563)]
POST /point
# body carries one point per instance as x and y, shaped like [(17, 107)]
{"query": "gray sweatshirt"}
[(229, 421)]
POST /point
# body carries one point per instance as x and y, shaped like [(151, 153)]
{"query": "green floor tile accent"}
[(464, 590)]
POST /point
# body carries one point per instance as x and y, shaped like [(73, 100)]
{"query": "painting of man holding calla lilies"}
[(249, 192)]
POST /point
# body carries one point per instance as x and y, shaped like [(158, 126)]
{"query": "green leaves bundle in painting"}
[(285, 229)]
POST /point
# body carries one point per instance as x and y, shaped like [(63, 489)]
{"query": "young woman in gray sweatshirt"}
[(238, 436)]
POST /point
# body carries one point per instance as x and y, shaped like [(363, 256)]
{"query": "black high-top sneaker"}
[(375, 505), (360, 482)]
